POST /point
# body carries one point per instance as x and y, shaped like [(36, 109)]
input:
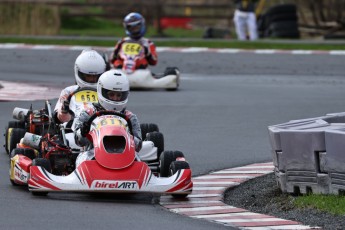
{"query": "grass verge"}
[(329, 203)]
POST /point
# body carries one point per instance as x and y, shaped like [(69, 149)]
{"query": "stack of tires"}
[(280, 21)]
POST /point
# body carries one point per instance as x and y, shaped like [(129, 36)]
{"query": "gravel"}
[(262, 195)]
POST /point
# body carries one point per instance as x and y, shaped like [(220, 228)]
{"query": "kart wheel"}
[(165, 160), (16, 124), (30, 153), (171, 71), (8, 130), (174, 167), (148, 128), (158, 140), (14, 138)]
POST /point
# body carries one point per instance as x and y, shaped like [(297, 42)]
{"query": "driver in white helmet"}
[(112, 92), (88, 67)]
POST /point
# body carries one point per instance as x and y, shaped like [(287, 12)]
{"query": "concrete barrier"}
[(309, 154)]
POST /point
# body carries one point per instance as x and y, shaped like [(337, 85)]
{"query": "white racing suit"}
[(82, 141)]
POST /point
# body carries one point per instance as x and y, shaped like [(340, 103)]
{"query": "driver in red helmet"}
[(134, 24)]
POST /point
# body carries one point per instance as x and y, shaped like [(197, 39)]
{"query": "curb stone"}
[(206, 200)]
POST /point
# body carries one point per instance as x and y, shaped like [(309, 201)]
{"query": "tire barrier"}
[(309, 154), (279, 21)]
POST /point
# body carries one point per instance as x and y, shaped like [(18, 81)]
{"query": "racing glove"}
[(65, 107)]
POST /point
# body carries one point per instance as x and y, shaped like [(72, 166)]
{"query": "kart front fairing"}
[(114, 168), (92, 177)]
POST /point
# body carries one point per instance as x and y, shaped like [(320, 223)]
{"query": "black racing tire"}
[(16, 124), (283, 26), (282, 9), (286, 34), (174, 167), (148, 128), (10, 126), (171, 71), (45, 163), (158, 140), (14, 138), (165, 160), (30, 153), (282, 17)]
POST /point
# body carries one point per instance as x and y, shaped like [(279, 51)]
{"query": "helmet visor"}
[(134, 28), (89, 78), (117, 96)]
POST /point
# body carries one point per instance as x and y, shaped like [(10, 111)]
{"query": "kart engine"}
[(62, 158)]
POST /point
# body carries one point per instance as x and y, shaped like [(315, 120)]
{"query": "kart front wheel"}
[(175, 166), (165, 159), (8, 130), (148, 128), (158, 140)]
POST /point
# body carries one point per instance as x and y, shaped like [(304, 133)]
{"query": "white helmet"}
[(88, 67), (113, 90)]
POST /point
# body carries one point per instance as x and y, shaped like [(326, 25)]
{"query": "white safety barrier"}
[(309, 154)]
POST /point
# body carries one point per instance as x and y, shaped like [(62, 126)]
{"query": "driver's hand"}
[(65, 106), (147, 51), (84, 129)]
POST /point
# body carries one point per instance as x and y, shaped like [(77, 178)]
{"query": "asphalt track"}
[(218, 118)]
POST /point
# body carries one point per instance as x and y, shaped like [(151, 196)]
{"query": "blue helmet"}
[(134, 24)]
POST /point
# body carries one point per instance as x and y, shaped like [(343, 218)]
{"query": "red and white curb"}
[(173, 49), (206, 200), (14, 91)]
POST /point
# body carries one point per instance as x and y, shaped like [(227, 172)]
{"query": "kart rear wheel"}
[(10, 126), (44, 163), (171, 71), (14, 138), (148, 128), (174, 167), (158, 140), (165, 160)]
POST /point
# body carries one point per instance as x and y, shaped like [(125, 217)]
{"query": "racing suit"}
[(245, 18), (80, 133), (151, 57)]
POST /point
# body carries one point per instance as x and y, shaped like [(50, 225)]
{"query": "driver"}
[(134, 24), (112, 91), (88, 67)]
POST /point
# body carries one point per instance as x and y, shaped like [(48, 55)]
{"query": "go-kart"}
[(55, 143), (115, 166), (41, 121), (143, 78)]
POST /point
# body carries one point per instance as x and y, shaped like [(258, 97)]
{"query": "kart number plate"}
[(131, 48), (86, 96), (110, 121)]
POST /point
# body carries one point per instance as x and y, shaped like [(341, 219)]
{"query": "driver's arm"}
[(136, 130)]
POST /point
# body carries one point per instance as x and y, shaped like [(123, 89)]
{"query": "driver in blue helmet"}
[(134, 24)]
